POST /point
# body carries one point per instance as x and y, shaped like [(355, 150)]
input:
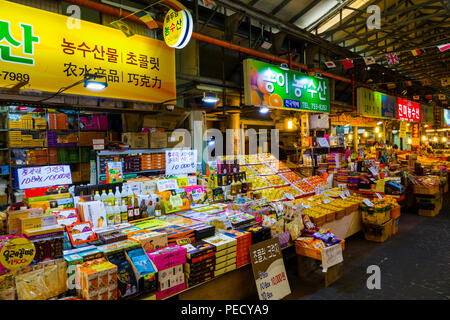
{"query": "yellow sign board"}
[(17, 253), (49, 52)]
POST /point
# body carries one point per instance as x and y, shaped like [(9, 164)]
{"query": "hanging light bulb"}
[(444, 139), (435, 139), (350, 136), (366, 134), (377, 129), (424, 138), (409, 141), (379, 135)]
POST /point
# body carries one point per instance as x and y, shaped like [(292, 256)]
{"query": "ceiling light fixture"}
[(210, 98), (263, 109)]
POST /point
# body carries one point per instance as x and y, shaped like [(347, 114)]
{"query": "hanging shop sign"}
[(268, 270), (40, 50), (447, 117), (375, 104), (426, 114), (408, 110), (17, 253), (181, 161), (274, 87), (415, 134), (178, 26), (39, 177), (437, 116)]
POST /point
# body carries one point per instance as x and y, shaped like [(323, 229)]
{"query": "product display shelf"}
[(44, 112), (109, 153)]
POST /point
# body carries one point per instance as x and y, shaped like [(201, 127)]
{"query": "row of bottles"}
[(124, 206)]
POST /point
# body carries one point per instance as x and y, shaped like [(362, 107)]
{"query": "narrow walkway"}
[(414, 263)]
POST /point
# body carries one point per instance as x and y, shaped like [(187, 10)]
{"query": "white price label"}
[(342, 195), (368, 202), (379, 196), (347, 193), (167, 184), (306, 206), (326, 200), (331, 256)]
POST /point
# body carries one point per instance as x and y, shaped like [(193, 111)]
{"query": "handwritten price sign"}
[(48, 176), (181, 161)]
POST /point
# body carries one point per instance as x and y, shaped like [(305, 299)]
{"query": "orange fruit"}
[(275, 100), (255, 98)]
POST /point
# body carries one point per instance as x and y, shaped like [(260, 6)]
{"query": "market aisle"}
[(414, 263)]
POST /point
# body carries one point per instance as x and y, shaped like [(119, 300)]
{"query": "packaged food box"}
[(171, 291), (150, 240), (168, 257), (198, 249), (224, 270), (221, 242)]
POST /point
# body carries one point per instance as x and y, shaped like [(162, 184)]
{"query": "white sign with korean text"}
[(39, 177), (181, 161), (167, 184), (331, 256), (269, 271)]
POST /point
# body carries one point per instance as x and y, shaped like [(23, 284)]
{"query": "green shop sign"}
[(274, 87)]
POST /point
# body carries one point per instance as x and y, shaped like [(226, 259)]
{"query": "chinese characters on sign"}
[(137, 68), (331, 256), (181, 161), (268, 270), (272, 86), (408, 110), (48, 176)]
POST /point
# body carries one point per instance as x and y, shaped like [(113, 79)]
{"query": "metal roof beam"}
[(280, 6), (305, 10)]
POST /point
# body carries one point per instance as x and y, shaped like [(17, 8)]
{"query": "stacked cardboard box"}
[(225, 253), (244, 241), (149, 240), (200, 262)]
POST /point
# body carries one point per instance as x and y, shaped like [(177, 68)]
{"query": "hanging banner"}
[(268, 270), (415, 134), (42, 49), (274, 87), (48, 176), (426, 114), (375, 104), (408, 110), (402, 130)]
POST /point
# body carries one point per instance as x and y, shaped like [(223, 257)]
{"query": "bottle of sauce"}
[(123, 212), (157, 208), (143, 209), (137, 214)]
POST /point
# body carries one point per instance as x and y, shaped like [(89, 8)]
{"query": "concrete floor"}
[(414, 264)]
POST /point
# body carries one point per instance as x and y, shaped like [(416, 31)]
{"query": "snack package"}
[(7, 287), (31, 286), (295, 228)]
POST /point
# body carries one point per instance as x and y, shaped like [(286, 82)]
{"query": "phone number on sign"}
[(15, 76)]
